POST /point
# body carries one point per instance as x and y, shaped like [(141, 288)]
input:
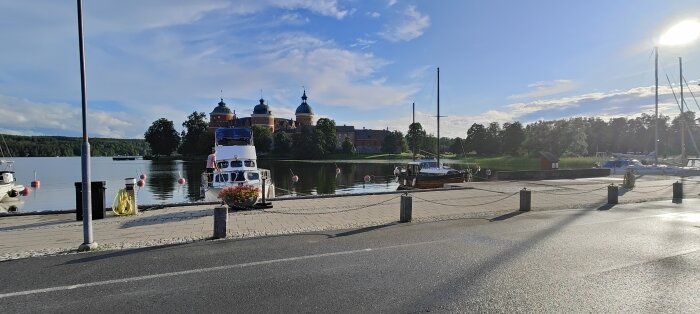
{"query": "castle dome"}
[(261, 108), (221, 108), (304, 108)]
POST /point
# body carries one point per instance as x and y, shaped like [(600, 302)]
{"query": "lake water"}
[(59, 174)]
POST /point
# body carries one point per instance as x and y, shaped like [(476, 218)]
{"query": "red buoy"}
[(295, 178), (36, 184), (26, 192), (367, 178), (140, 183), (181, 181), (142, 177)]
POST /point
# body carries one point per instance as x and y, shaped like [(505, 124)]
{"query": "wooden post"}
[(406, 210), (220, 222), (612, 194), (525, 200)]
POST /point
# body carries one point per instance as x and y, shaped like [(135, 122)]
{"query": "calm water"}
[(58, 175)]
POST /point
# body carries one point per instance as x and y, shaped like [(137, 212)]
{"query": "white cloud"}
[(541, 89), (29, 117), (373, 14), (391, 2), (411, 26), (625, 103), (363, 43)]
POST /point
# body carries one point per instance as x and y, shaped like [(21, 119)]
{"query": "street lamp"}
[(88, 242)]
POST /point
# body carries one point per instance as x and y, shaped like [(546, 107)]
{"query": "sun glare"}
[(681, 33)]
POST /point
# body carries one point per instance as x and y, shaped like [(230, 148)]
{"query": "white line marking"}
[(204, 270)]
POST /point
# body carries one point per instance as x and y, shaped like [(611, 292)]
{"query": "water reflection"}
[(192, 171), (161, 179)]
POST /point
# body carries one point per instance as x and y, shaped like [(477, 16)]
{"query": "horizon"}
[(498, 62)]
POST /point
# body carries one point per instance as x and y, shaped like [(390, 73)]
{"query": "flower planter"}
[(239, 197)]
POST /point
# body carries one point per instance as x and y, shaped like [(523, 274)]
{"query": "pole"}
[(656, 108), (88, 243), (683, 153), (438, 117), (414, 138)]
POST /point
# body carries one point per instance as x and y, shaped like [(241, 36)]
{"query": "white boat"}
[(620, 166), (237, 163), (9, 189)]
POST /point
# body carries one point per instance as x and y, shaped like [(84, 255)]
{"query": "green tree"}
[(512, 138), (196, 139), (394, 143), (415, 137), (457, 146), (162, 137), (492, 144), (308, 144), (283, 143), (326, 127), (348, 147), (476, 139), (262, 138)]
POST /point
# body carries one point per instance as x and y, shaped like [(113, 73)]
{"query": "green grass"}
[(526, 163)]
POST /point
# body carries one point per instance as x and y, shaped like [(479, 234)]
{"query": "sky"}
[(362, 63)]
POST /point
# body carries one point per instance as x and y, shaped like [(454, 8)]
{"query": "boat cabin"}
[(7, 177), (693, 162)]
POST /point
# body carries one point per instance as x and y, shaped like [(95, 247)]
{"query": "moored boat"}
[(9, 189), (237, 165)]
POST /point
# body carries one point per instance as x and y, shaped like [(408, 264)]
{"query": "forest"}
[(62, 146)]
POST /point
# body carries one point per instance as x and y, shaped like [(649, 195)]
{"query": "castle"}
[(365, 140)]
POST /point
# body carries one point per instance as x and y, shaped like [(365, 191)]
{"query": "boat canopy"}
[(234, 136)]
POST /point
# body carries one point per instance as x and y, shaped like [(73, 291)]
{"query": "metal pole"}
[(88, 243), (413, 149), (438, 117), (683, 153), (656, 108)]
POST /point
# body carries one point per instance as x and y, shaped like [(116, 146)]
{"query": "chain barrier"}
[(333, 212), (466, 205), (653, 191), (573, 193), (295, 193)]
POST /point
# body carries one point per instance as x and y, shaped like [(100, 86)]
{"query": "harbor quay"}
[(25, 236)]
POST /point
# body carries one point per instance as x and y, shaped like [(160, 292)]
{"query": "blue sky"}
[(362, 62)]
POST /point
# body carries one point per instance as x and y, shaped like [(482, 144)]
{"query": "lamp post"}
[(88, 242)]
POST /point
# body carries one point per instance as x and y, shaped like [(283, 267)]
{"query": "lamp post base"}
[(86, 247)]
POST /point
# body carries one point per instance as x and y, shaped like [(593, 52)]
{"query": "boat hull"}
[(423, 181)]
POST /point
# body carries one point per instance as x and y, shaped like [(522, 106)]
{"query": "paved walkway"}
[(25, 236)]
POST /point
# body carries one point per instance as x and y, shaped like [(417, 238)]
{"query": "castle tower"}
[(221, 116), (304, 114), (263, 116)]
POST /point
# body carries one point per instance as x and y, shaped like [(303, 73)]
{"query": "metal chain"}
[(573, 193), (661, 189), (333, 212), (466, 205)]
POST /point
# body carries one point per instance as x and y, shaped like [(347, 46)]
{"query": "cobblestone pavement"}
[(26, 236)]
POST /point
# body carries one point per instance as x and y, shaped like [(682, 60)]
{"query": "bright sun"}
[(682, 33)]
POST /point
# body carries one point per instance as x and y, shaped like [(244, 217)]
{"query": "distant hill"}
[(52, 146)]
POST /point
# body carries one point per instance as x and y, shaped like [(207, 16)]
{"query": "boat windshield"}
[(429, 164), (233, 136)]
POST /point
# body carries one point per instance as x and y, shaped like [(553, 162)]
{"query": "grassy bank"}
[(527, 163)]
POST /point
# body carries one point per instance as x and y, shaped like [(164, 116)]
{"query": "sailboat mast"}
[(656, 108), (413, 149), (438, 116), (683, 153)]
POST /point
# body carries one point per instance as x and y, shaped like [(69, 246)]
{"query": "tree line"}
[(579, 136), (53, 146)]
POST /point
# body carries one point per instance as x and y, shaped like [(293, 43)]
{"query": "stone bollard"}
[(678, 190), (612, 194), (525, 200), (406, 211), (220, 222), (129, 185)]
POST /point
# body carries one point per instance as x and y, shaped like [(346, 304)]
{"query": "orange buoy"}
[(140, 183), (36, 184)]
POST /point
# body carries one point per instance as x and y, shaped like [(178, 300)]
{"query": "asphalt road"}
[(630, 258)]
